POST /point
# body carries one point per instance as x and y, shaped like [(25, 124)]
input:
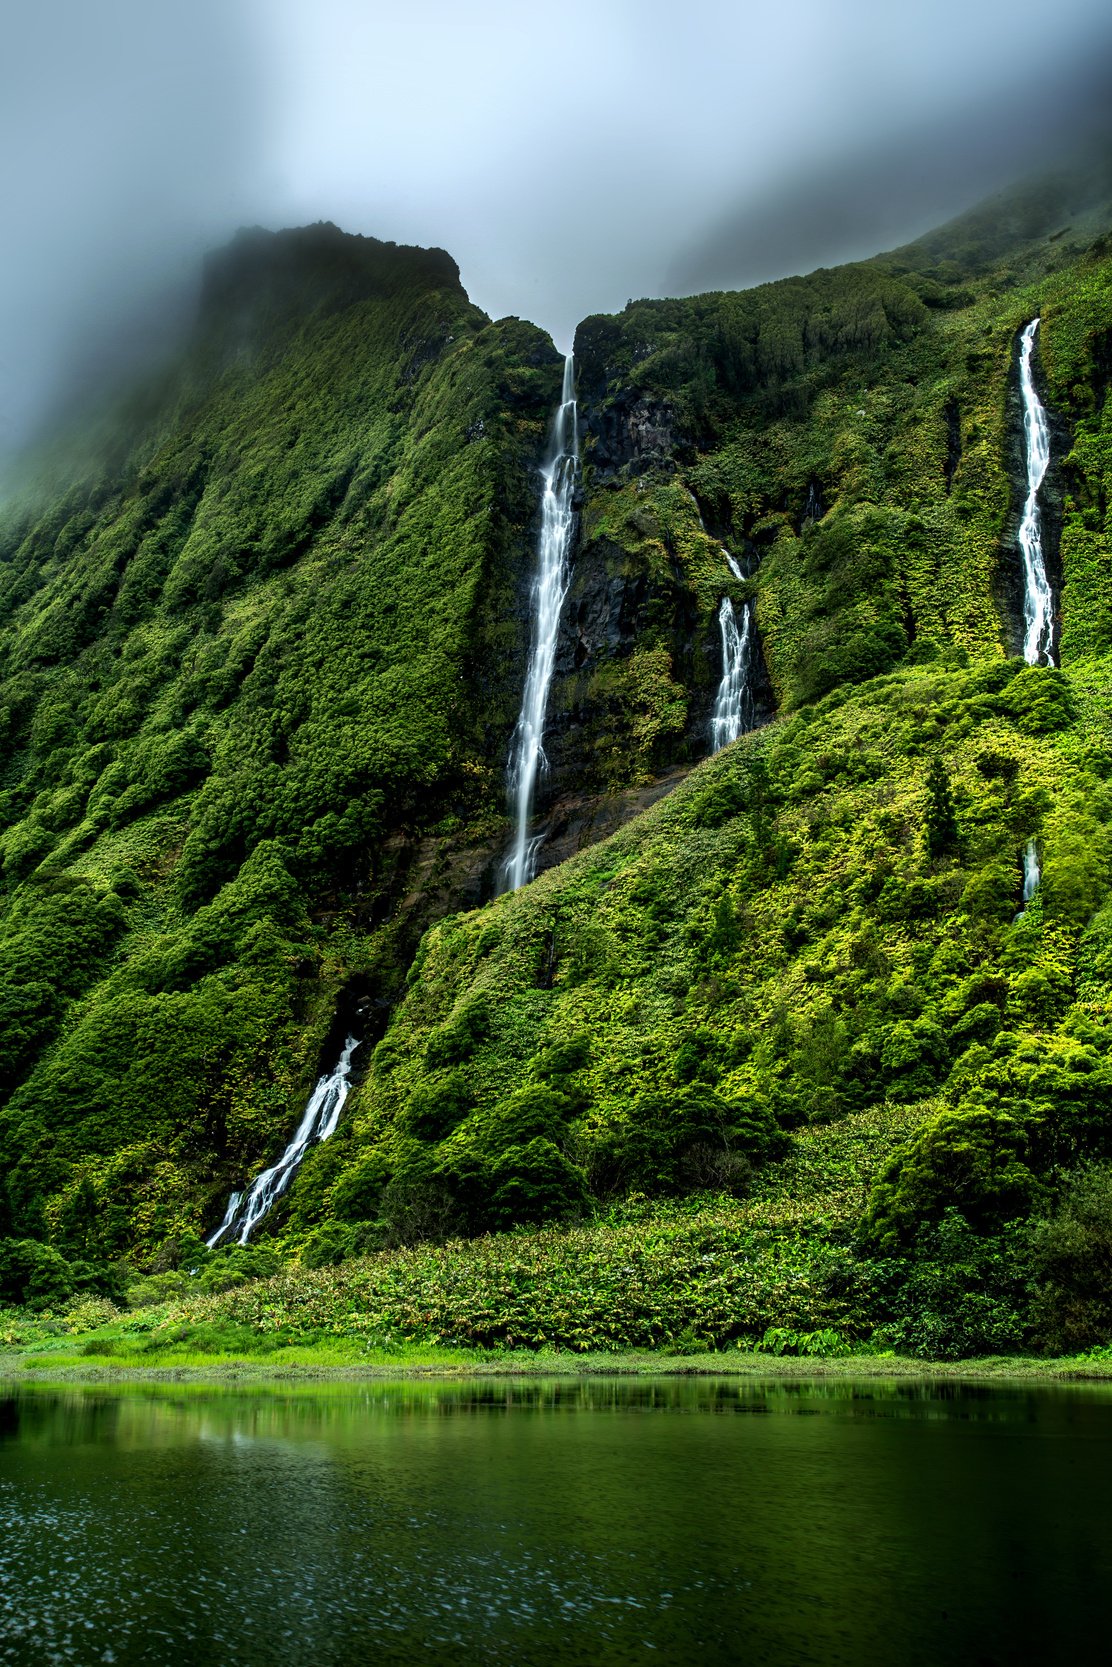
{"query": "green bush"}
[(38, 1276), (972, 1160), (960, 1294), (327, 1247), (237, 1264), (1072, 1256)]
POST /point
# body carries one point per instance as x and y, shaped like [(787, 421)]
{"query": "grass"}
[(348, 1360)]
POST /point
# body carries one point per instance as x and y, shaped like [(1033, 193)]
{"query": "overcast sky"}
[(569, 157)]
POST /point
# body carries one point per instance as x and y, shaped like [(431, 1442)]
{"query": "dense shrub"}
[(1072, 1256), (957, 1294), (970, 1159), (38, 1276)]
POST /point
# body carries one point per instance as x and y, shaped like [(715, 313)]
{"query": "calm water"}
[(601, 1522)]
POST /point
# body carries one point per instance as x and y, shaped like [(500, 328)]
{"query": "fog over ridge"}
[(567, 163)]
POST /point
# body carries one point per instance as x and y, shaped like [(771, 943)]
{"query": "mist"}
[(569, 160), (131, 138)]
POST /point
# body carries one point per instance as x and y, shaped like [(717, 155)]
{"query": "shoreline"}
[(16, 1369)]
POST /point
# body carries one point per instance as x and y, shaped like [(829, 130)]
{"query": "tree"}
[(942, 825)]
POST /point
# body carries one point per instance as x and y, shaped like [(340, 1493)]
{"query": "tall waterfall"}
[(1038, 601), (549, 589), (318, 1122)]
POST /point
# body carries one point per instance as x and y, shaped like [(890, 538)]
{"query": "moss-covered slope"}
[(823, 921), (260, 679), (245, 665)]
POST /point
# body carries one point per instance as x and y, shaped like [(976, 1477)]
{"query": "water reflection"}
[(554, 1521)]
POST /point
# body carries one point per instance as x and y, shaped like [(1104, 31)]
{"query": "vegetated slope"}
[(817, 928), (851, 440), (244, 666), (821, 922)]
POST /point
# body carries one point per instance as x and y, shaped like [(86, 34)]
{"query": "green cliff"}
[(260, 669)]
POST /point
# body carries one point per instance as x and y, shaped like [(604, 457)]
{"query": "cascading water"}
[(733, 705), (318, 1122), (1038, 599), (1031, 875), (549, 590)]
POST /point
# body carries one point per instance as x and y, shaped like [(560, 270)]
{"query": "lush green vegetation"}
[(779, 1063), (239, 669)]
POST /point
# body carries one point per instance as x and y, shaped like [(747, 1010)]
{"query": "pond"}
[(589, 1521)]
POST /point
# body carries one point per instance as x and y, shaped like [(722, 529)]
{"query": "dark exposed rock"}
[(630, 433), (603, 611), (576, 821)]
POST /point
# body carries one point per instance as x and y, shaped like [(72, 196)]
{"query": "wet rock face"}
[(604, 609), (633, 642), (631, 434)]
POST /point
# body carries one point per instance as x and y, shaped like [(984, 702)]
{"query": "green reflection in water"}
[(599, 1520)]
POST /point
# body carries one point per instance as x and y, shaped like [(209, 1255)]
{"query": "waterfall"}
[(1031, 872), (1038, 602), (732, 712), (318, 1122), (549, 589)]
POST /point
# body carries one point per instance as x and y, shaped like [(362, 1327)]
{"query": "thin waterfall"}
[(732, 707), (1031, 875), (318, 1122), (1038, 599), (549, 590)]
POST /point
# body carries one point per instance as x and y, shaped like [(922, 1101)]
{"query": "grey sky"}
[(569, 157)]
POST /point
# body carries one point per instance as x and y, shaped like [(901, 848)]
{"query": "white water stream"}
[(733, 706), (549, 590), (732, 713), (318, 1122), (1038, 599)]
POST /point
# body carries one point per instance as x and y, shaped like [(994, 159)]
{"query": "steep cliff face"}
[(258, 682), (850, 442), (256, 678), (823, 923)]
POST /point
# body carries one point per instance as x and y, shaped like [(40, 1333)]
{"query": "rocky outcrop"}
[(630, 434)]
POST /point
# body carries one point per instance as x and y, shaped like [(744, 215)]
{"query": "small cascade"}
[(1038, 599), (1032, 874), (318, 1122), (549, 590)]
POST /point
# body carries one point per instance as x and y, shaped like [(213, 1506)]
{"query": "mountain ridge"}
[(231, 830)]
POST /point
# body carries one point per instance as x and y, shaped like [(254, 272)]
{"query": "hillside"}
[(260, 679)]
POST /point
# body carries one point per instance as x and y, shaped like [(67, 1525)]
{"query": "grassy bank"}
[(60, 1360)]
